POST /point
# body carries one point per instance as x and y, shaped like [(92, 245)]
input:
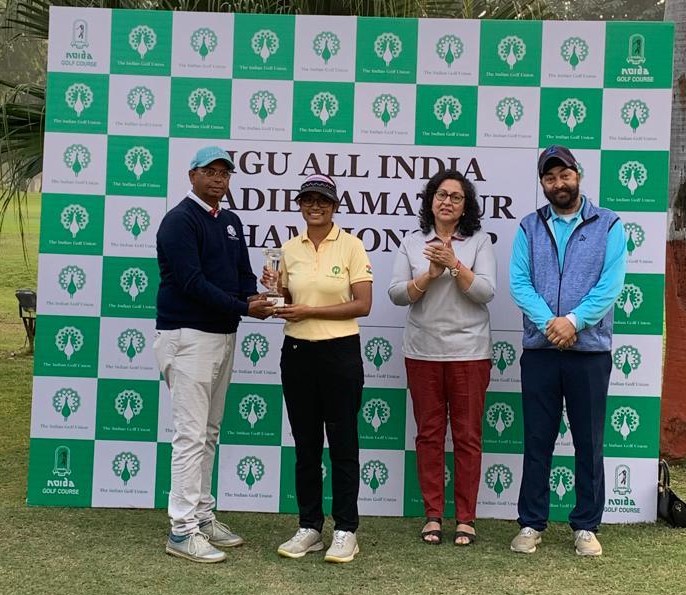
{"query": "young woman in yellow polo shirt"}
[(326, 279)]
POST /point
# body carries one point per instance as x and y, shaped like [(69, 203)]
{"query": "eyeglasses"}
[(209, 172), (308, 201), (455, 197)]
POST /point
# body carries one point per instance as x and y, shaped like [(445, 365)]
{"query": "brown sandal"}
[(438, 533), (471, 537)]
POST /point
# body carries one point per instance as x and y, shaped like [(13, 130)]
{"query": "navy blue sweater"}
[(205, 273)]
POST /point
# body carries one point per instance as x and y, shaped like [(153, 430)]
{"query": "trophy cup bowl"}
[(272, 260)]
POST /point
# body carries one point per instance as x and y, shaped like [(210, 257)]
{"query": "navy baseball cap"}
[(207, 155), (320, 183), (556, 155)]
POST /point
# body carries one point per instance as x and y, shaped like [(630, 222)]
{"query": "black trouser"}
[(322, 385), (583, 379)]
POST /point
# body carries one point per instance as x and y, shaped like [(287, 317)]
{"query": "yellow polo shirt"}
[(323, 278)]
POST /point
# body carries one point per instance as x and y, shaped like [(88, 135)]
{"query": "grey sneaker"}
[(195, 547), (220, 535), (343, 547), (303, 542), (587, 544), (525, 541)]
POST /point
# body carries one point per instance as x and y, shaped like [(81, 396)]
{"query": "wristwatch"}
[(455, 271)]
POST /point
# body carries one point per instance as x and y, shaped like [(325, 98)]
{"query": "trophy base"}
[(278, 300)]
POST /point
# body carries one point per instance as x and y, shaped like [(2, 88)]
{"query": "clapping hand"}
[(440, 255)]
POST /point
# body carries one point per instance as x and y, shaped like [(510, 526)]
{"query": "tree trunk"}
[(673, 417)]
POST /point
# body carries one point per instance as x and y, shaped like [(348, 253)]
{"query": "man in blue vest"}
[(567, 270), (206, 285)]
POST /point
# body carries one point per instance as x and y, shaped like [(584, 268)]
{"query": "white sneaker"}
[(586, 543), (195, 547), (525, 541), (343, 547), (220, 535), (303, 542)]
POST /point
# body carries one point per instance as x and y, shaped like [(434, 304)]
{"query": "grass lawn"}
[(103, 551)]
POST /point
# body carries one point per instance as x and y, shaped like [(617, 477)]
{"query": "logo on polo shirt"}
[(231, 232)]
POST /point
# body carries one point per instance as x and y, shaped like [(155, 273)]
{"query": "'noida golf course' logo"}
[(625, 420), (376, 412), (626, 358), (509, 111), (326, 45), (142, 39), (449, 48), (201, 102), (561, 481), (250, 470), (503, 355), (571, 111), (500, 416), (634, 113), (79, 97), (71, 278), (204, 41), (77, 158), (69, 340), (636, 54), (574, 50), (79, 34), (447, 476), (388, 46), (447, 109), (74, 218), (263, 104), (635, 236), (385, 107), (632, 175), (140, 100), (126, 466), (128, 403), (324, 105), (265, 43), (255, 346), (133, 281), (511, 49), (138, 160), (131, 342), (622, 480), (324, 472), (374, 474), (252, 408), (378, 351), (630, 299), (136, 220), (498, 477), (62, 462), (65, 402)]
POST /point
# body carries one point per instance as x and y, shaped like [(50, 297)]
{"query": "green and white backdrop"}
[(380, 104)]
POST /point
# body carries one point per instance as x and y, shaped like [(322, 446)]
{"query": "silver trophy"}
[(272, 260)]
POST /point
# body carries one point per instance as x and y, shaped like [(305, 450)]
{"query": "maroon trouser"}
[(439, 390)]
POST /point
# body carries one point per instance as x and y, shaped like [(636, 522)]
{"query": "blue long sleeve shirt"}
[(205, 272), (596, 303)]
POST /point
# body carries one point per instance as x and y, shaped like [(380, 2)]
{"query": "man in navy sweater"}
[(566, 271), (206, 285)]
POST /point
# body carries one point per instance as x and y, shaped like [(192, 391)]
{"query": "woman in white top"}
[(446, 273)]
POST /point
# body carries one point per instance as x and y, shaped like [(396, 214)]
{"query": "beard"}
[(563, 198)]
